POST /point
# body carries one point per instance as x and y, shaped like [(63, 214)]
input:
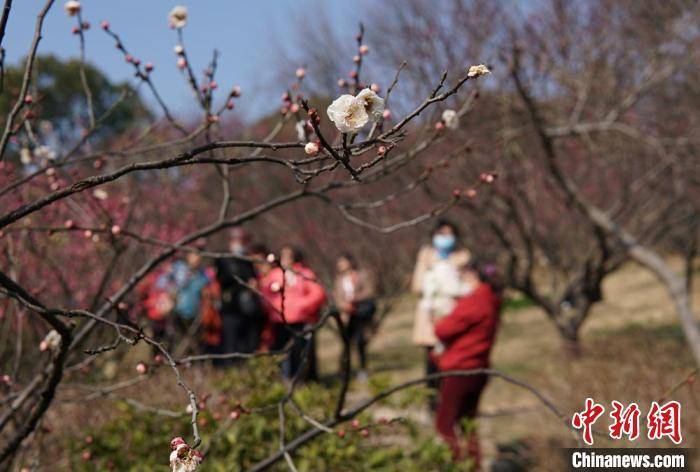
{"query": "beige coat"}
[(363, 288), (439, 284)]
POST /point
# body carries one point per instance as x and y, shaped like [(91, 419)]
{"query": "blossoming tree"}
[(83, 226)]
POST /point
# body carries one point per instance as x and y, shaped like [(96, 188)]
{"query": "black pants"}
[(302, 354), (240, 333), (357, 326)]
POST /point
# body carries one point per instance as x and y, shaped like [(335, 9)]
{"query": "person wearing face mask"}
[(437, 280), (242, 314)]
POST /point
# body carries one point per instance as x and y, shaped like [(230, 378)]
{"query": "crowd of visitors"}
[(253, 301)]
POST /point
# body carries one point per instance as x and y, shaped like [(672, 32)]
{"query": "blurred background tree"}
[(60, 102)]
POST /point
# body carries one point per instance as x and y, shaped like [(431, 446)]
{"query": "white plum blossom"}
[(311, 149), (50, 342), (183, 458), (100, 194), (478, 71), (348, 114), (451, 119), (178, 17), (373, 103), (72, 7)]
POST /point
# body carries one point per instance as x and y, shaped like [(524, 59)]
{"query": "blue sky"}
[(245, 32)]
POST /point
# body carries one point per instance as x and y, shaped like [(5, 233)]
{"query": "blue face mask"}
[(444, 243)]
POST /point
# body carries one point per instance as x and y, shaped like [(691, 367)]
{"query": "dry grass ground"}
[(633, 350)]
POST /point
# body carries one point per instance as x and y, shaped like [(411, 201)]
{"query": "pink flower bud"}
[(365, 432), (355, 423), (89, 439), (181, 63), (341, 433), (270, 258), (137, 62), (175, 442), (87, 234), (229, 104), (353, 74), (487, 178), (471, 193), (381, 150), (129, 58), (356, 59), (75, 30), (86, 25), (87, 456), (294, 108), (236, 91), (69, 224), (375, 88), (116, 229), (439, 125), (28, 99), (301, 72), (213, 85), (285, 97), (234, 415), (105, 25), (342, 83), (158, 359), (43, 346), (364, 49), (386, 114)]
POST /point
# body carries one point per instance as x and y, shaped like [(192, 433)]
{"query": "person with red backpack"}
[(466, 337)]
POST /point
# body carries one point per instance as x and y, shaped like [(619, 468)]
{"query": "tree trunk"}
[(677, 289)]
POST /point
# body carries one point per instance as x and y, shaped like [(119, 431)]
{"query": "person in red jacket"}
[(466, 336), (294, 299)]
